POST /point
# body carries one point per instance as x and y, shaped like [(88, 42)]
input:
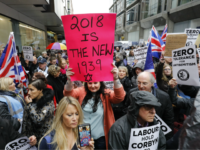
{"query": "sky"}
[(91, 6)]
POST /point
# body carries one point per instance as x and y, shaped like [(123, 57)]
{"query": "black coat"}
[(58, 87), (119, 134), (120, 109), (31, 68), (165, 111), (7, 132), (4, 112), (38, 116)]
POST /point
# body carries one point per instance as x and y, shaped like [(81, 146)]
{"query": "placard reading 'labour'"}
[(146, 138), (20, 144), (90, 43), (184, 66)]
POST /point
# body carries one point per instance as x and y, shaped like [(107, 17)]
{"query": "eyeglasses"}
[(148, 107), (167, 69)]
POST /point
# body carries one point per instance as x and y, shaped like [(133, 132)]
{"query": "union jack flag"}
[(164, 34), (149, 67), (157, 45), (10, 65)]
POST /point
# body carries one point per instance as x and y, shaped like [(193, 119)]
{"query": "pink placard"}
[(90, 45)]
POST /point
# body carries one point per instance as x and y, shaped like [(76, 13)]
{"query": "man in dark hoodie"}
[(140, 114)]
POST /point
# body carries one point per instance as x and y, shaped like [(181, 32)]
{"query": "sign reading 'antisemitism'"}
[(90, 43), (185, 69)]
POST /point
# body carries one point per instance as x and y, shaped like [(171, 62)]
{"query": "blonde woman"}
[(11, 103), (120, 108), (55, 81), (63, 133), (163, 75)]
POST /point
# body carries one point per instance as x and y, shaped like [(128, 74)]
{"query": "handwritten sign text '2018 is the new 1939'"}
[(90, 44)]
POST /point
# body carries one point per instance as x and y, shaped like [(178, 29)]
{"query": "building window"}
[(32, 37), (119, 21), (132, 15), (176, 3), (120, 6), (115, 8), (111, 10), (151, 8), (5, 29), (128, 2)]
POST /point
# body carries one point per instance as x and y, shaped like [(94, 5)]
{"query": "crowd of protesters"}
[(53, 106)]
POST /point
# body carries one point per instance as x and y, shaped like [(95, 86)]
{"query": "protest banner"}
[(184, 66), (192, 35), (146, 138), (198, 50), (130, 60), (90, 43), (20, 144), (174, 41), (109, 84), (140, 54), (28, 52), (163, 126)]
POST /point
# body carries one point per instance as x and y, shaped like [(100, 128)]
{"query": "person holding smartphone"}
[(63, 134), (96, 101)]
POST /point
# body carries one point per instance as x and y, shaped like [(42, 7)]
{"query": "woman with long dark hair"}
[(96, 101)]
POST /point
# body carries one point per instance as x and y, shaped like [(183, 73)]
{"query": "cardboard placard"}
[(20, 144), (163, 126), (144, 138), (184, 64), (174, 41), (192, 35), (28, 52), (90, 43), (141, 54)]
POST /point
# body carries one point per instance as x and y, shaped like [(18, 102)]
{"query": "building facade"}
[(35, 23), (135, 18)]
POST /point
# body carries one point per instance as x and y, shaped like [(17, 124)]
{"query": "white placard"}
[(184, 64), (163, 126), (28, 53), (20, 144), (192, 35), (146, 138), (130, 60), (109, 84), (140, 54), (127, 53)]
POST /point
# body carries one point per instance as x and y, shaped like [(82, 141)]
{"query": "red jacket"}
[(114, 97)]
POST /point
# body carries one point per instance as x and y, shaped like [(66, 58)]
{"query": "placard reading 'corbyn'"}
[(90, 43), (146, 138)]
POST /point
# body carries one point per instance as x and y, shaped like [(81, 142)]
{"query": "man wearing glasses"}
[(140, 114), (145, 81)]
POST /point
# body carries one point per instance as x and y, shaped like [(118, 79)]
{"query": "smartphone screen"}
[(84, 135)]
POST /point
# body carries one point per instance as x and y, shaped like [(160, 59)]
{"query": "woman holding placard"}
[(96, 101), (120, 109)]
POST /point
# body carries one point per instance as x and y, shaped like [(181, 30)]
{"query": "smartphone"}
[(84, 133)]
